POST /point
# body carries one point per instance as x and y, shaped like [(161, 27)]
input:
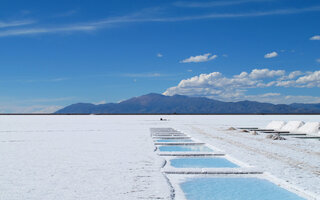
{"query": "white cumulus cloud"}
[(271, 55), (316, 37), (264, 73), (200, 58), (310, 80), (218, 86)]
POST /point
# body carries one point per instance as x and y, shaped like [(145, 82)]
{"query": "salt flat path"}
[(112, 157)]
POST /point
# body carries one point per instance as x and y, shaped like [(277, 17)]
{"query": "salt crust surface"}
[(112, 157), (79, 157)]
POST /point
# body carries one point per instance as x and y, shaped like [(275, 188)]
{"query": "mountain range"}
[(179, 104)]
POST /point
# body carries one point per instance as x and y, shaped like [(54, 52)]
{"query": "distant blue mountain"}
[(157, 103), (310, 106)]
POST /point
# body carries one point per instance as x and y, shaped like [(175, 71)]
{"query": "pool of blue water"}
[(195, 162), (175, 140), (197, 148), (169, 135), (234, 189)]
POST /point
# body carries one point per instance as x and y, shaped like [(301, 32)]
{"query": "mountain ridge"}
[(158, 103)]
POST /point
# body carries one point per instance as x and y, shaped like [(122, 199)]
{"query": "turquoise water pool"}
[(234, 189), (170, 135), (201, 163), (174, 140), (197, 148)]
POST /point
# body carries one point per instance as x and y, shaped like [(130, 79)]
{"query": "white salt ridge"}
[(292, 126), (310, 128), (275, 125)]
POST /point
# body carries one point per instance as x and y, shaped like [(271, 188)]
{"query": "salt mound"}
[(275, 125), (292, 126), (310, 128)]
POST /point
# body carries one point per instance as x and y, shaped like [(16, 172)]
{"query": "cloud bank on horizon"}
[(215, 85)]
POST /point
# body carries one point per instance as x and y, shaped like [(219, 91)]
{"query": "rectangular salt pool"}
[(174, 140), (169, 134), (202, 162), (197, 148), (234, 189)]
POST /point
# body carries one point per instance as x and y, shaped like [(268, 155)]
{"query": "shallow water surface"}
[(198, 162), (175, 140), (234, 189), (197, 148)]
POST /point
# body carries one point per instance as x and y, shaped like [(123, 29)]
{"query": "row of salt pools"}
[(198, 171)]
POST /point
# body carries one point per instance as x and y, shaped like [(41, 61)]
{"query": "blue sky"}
[(55, 53)]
